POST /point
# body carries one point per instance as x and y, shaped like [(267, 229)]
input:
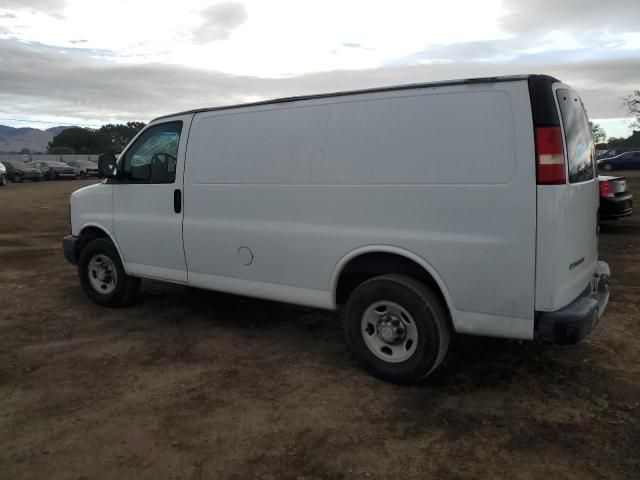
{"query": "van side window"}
[(153, 157)]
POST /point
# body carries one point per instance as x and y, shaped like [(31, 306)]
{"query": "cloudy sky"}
[(91, 62)]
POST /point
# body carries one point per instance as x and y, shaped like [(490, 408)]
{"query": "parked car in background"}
[(55, 170), (84, 168), (615, 199), (624, 161), (3, 175), (609, 153), (19, 171)]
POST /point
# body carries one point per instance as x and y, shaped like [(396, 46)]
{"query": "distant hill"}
[(15, 139)]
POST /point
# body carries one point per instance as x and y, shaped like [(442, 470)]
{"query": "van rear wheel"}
[(396, 328), (102, 275)]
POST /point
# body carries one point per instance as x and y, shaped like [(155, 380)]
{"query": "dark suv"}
[(55, 170), (19, 171)]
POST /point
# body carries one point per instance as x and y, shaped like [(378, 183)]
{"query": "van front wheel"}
[(396, 328), (102, 275)]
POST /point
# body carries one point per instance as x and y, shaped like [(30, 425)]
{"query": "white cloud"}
[(555, 41), (275, 38), (53, 7), (220, 20)]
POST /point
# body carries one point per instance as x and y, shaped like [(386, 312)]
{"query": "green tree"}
[(597, 132), (90, 141), (79, 140), (116, 137), (632, 141), (632, 104), (60, 150)]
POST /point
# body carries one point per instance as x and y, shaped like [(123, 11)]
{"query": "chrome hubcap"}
[(389, 331), (102, 274)]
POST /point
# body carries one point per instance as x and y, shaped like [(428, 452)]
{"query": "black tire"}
[(83, 176), (424, 309), (3, 180), (17, 178), (126, 287)]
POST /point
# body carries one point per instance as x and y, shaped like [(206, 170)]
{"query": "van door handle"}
[(177, 201)]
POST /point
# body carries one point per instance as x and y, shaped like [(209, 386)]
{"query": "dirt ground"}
[(194, 384)]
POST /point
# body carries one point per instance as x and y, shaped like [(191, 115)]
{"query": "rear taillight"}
[(605, 189), (550, 167)]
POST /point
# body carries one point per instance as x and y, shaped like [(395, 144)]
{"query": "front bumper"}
[(616, 207), (575, 321), (69, 246)]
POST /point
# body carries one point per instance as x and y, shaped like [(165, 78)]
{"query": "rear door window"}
[(580, 149)]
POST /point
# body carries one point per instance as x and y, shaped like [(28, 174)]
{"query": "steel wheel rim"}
[(103, 275), (389, 331)]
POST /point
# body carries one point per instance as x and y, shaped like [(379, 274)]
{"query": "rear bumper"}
[(69, 247), (616, 207), (575, 321)]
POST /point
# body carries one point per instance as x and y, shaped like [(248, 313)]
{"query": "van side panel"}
[(446, 173), (420, 140)]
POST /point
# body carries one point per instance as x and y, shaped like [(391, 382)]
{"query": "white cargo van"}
[(466, 206)]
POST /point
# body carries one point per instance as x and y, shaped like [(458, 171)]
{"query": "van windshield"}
[(580, 149)]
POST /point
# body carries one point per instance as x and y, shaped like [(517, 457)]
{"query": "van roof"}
[(545, 79)]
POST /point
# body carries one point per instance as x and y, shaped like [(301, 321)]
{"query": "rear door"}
[(567, 252)]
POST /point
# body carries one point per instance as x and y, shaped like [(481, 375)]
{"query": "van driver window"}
[(153, 157)]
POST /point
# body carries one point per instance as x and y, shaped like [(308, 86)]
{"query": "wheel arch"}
[(91, 231), (365, 262)]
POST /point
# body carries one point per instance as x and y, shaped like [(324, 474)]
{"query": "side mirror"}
[(107, 165)]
